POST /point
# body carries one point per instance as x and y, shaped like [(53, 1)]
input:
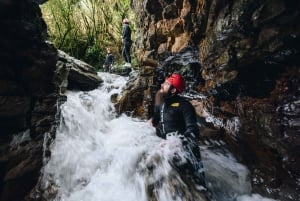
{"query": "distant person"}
[(109, 61), (126, 39)]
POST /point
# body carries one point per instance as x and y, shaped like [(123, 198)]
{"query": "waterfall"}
[(99, 156)]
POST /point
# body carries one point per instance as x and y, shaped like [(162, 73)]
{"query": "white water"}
[(97, 156)]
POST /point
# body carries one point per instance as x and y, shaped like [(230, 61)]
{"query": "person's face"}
[(166, 88)]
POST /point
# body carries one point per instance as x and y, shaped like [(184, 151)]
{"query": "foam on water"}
[(98, 156)]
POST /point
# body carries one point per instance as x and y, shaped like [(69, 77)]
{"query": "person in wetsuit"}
[(174, 115), (127, 42), (172, 112), (109, 60)]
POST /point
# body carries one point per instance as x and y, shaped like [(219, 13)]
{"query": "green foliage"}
[(92, 54), (83, 28)]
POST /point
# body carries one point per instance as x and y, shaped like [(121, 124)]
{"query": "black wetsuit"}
[(176, 114), (126, 36), (109, 60)]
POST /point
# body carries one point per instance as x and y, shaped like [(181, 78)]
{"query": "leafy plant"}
[(84, 28)]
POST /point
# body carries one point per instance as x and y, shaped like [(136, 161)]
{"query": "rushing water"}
[(98, 156)]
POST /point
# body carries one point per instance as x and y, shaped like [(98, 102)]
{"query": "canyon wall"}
[(243, 57)]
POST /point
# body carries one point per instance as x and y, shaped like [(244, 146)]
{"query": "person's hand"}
[(150, 122), (163, 144)]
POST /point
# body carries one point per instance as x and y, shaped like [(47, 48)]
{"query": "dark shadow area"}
[(259, 79)]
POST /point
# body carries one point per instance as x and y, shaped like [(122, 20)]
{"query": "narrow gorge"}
[(243, 56)]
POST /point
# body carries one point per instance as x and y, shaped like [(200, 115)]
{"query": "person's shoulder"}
[(184, 101), (181, 98)]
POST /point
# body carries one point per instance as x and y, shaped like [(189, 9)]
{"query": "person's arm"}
[(126, 33), (190, 119), (112, 59), (159, 100), (123, 33), (156, 115), (104, 63)]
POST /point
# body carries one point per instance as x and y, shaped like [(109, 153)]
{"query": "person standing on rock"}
[(126, 40), (174, 115)]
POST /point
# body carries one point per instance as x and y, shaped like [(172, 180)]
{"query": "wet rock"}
[(81, 76), (27, 101), (230, 178), (247, 53)]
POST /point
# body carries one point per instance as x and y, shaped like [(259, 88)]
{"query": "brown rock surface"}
[(248, 52)]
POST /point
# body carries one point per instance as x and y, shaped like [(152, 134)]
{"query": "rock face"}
[(28, 97), (246, 65)]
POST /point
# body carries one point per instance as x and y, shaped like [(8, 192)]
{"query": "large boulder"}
[(78, 74)]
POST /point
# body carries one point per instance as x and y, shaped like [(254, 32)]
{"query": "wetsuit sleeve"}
[(156, 115), (123, 32), (190, 120), (112, 59), (126, 33)]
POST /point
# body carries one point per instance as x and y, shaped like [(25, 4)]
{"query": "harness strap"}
[(162, 118)]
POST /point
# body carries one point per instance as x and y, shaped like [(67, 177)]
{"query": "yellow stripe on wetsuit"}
[(175, 104)]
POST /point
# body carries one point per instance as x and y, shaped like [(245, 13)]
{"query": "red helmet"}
[(177, 81)]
